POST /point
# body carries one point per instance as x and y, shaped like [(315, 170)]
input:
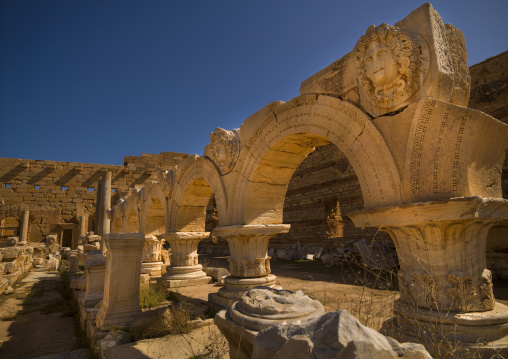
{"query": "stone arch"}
[(154, 210), (275, 142), (196, 180)]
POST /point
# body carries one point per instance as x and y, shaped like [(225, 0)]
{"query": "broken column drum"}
[(120, 305), (184, 269)]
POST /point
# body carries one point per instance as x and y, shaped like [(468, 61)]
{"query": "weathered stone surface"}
[(258, 309), (52, 263), (434, 65), (120, 305), (332, 335), (10, 253), (12, 241), (95, 272)]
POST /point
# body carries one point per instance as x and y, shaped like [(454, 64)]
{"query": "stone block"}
[(332, 335)]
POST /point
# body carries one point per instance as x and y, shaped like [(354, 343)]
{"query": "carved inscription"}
[(418, 142)]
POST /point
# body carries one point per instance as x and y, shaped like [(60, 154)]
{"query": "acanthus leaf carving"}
[(468, 295)]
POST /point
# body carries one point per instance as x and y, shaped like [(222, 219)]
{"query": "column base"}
[(475, 334), (235, 288), (153, 269), (176, 283), (109, 319)]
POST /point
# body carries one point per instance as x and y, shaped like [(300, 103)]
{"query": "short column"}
[(184, 269), (249, 263), (445, 290), (151, 263), (95, 272), (120, 305)]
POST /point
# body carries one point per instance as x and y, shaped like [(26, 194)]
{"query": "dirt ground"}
[(34, 320)]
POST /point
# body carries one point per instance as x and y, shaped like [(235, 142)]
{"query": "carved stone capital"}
[(224, 149), (184, 247), (248, 245)]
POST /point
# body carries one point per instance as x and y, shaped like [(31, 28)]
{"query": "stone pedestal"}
[(73, 262), (151, 257), (95, 271), (120, 305), (443, 278), (261, 308), (249, 263), (184, 269)]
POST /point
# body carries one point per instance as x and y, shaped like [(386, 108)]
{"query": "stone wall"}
[(60, 192)]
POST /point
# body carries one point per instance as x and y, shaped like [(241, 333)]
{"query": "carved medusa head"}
[(388, 65), (223, 149)]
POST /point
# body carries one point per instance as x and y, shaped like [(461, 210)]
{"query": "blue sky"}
[(94, 81)]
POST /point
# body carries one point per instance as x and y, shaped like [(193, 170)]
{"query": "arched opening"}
[(154, 222), (39, 229), (323, 190), (9, 227), (269, 182), (191, 216), (131, 226)]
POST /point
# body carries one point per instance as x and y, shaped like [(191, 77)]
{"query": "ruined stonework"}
[(62, 196)]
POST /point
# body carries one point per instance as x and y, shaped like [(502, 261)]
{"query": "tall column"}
[(249, 263), (184, 269), (24, 226), (105, 204), (120, 305), (445, 289), (96, 225)]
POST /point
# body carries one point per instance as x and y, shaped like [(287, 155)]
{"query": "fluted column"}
[(184, 269), (444, 285), (120, 305), (249, 263)]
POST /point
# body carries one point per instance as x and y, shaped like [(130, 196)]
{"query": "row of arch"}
[(273, 142)]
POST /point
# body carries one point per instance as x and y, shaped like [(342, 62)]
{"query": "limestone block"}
[(261, 308), (451, 151), (332, 335), (95, 271), (10, 253), (120, 305)]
